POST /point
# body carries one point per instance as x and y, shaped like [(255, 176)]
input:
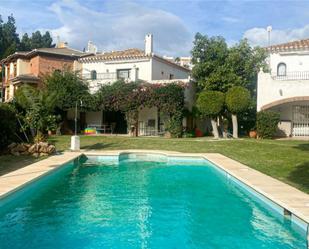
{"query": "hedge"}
[(266, 123), (8, 125)]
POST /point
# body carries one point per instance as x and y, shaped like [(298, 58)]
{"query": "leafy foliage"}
[(37, 40), (130, 97), (67, 88), (245, 62), (208, 57), (10, 41), (266, 123), (210, 103), (237, 99), (175, 124), (217, 67), (8, 125), (39, 106)]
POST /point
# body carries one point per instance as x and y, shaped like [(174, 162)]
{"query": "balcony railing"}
[(100, 76), (297, 75)]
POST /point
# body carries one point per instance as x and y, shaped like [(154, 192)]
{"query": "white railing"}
[(297, 75), (100, 76), (300, 129)]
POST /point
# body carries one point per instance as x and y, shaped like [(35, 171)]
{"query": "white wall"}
[(270, 90), (143, 66), (159, 67), (23, 67), (295, 61)]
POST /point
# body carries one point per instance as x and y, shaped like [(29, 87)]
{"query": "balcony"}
[(296, 75), (100, 76)]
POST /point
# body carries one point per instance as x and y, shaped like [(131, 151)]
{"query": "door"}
[(300, 120)]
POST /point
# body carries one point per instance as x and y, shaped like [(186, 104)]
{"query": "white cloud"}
[(120, 25), (229, 19), (258, 36)]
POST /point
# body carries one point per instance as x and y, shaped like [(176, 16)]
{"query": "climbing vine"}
[(130, 97)]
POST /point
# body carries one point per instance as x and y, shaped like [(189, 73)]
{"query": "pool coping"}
[(289, 198), (15, 180)]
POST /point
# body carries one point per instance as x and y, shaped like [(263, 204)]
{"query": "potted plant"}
[(253, 133)]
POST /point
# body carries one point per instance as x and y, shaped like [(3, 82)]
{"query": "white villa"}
[(286, 87), (131, 65)]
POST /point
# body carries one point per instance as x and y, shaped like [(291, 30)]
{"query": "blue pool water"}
[(139, 204)]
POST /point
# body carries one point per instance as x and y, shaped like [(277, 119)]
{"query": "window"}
[(171, 76), (123, 74), (93, 74), (281, 69)]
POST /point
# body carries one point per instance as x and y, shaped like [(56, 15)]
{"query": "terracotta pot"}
[(252, 134)]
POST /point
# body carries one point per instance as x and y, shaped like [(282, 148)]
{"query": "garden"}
[(34, 125)]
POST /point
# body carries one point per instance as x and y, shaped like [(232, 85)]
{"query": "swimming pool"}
[(141, 202)]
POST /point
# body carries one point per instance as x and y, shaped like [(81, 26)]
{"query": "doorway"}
[(116, 120)]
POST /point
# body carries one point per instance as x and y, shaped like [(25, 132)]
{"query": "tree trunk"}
[(235, 126), (221, 126), (214, 128)]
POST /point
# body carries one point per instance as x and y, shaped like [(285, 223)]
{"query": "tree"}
[(41, 41), (25, 44), (237, 101), (210, 104), (9, 38), (245, 62), (10, 41), (209, 57), (39, 106), (47, 40), (69, 89)]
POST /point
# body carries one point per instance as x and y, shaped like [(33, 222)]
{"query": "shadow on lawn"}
[(97, 146), (300, 175), (303, 147)]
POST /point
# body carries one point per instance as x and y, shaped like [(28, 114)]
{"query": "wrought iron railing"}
[(100, 76), (297, 75)]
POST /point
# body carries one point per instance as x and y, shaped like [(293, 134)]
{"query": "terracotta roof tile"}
[(114, 55), (290, 46)]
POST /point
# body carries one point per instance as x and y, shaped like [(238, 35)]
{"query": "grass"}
[(286, 160)]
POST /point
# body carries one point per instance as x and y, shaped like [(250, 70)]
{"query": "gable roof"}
[(128, 54), (290, 46), (132, 53), (65, 52)]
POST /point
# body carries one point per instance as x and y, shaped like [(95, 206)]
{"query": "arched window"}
[(281, 69), (93, 74)]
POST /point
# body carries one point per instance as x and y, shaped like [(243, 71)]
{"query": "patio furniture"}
[(101, 128)]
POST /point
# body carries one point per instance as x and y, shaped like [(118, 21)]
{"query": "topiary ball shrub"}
[(210, 103), (237, 99), (8, 125), (266, 123)]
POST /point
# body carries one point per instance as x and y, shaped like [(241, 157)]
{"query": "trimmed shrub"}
[(266, 123), (8, 125), (210, 103), (237, 99)]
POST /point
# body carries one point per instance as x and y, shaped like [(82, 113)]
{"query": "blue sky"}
[(119, 24)]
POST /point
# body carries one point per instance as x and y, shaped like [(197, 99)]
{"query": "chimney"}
[(148, 44), (91, 48), (62, 45)]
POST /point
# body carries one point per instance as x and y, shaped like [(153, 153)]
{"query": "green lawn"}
[(286, 160)]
